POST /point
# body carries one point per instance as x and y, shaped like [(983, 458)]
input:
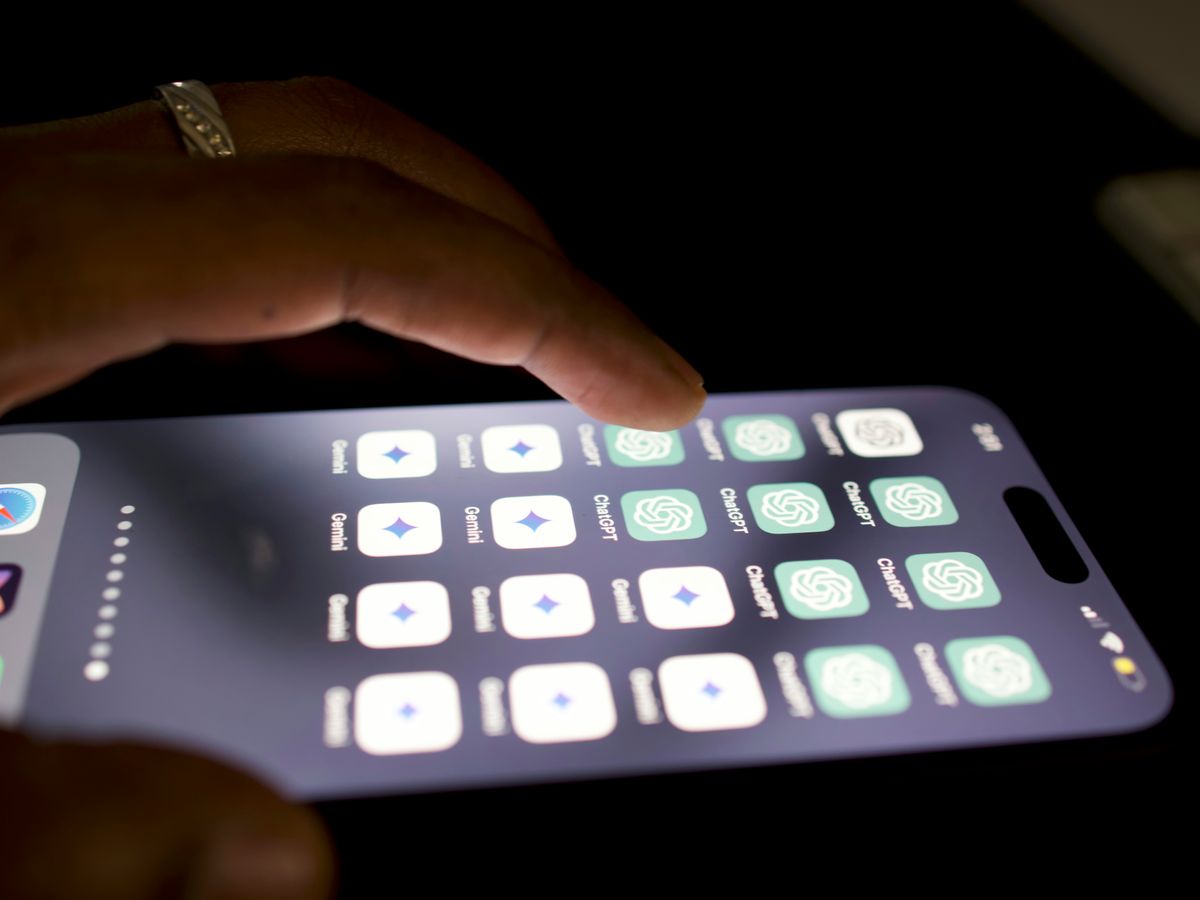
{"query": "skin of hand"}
[(113, 242)]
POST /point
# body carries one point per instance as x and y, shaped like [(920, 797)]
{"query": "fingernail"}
[(259, 865)]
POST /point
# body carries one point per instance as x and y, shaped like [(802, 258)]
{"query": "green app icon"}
[(790, 508), (634, 447), (766, 438), (914, 501), (666, 515), (854, 681), (821, 589), (952, 580), (997, 671)]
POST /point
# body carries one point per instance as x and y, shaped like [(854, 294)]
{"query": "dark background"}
[(911, 192)]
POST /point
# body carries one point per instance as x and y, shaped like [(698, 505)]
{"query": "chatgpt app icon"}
[(664, 515), (879, 432), (854, 681), (821, 589), (952, 580), (790, 508), (632, 447), (764, 438), (997, 671), (915, 501)]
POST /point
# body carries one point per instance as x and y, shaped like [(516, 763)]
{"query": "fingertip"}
[(663, 404)]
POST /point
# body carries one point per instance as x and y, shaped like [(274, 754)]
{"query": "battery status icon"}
[(1129, 674)]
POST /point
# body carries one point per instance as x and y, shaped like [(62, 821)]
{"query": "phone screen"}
[(385, 601)]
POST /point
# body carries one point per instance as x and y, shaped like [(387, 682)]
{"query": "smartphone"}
[(390, 601)]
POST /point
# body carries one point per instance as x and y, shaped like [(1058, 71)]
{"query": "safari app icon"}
[(20, 507)]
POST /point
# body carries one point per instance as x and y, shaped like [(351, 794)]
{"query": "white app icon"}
[(402, 614), (399, 529), (685, 597), (412, 712), (521, 448), (711, 692), (396, 454), (521, 523), (561, 702), (879, 432), (546, 606)]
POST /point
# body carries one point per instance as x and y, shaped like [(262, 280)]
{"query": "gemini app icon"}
[(525, 523), (546, 606), (399, 529), (396, 454), (711, 692), (409, 712), (685, 597), (402, 614), (561, 702), (521, 448)]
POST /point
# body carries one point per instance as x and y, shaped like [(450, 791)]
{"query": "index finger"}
[(146, 250)]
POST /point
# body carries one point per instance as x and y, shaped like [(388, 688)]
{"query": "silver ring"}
[(198, 118)]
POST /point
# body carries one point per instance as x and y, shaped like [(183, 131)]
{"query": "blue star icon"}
[(520, 448), (685, 596), (562, 701), (396, 454), (547, 604), (400, 528), (407, 710), (711, 689), (532, 521), (404, 612)]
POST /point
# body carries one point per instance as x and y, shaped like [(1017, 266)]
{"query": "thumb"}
[(131, 822)]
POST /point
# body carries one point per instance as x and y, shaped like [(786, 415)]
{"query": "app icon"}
[(634, 447), (402, 614), (685, 597), (521, 448), (821, 589), (399, 529), (561, 702), (20, 507), (790, 508), (763, 438), (524, 523), (997, 671), (879, 432), (411, 712), (396, 454), (546, 606), (711, 692), (952, 580), (667, 515), (10, 580), (914, 501), (854, 681)]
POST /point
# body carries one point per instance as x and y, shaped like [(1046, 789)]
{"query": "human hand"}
[(338, 208), (113, 242)]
